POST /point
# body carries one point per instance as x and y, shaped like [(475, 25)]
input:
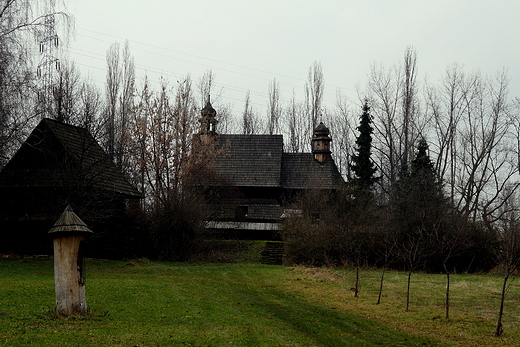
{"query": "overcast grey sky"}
[(248, 43)]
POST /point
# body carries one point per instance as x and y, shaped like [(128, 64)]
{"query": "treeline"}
[(468, 122)]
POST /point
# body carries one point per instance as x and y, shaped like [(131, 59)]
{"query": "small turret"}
[(208, 121), (321, 143)]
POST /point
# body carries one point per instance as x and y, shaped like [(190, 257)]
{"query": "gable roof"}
[(53, 151), (250, 160), (302, 171), (259, 161)]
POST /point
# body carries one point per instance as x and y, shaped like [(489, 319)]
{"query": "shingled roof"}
[(55, 149), (302, 171), (250, 160), (259, 161), (69, 223)]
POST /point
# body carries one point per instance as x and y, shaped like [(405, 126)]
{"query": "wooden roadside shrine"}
[(68, 234)]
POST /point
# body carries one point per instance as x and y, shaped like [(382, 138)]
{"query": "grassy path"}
[(142, 303), (167, 304)]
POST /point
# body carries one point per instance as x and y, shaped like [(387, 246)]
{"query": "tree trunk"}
[(447, 295), (499, 328), (356, 288), (408, 291), (381, 285)]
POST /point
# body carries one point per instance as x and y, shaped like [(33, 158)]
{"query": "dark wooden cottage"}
[(60, 165), (258, 179)]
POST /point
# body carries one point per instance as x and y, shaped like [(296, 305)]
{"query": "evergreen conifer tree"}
[(428, 230), (422, 176), (362, 164), (362, 215), (418, 212), (419, 199)]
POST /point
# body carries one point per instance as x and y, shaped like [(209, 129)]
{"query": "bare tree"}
[(126, 103), (185, 112), (160, 147), (160, 140), (449, 238), (113, 88), (205, 86), (250, 121), (91, 109), (226, 122), (313, 89), (411, 251), (385, 92), (19, 20), (16, 82), (476, 150), (314, 94), (409, 101), (485, 153), (25, 15), (446, 106), (475, 132), (394, 100), (274, 108), (385, 250), (138, 141), (65, 93), (507, 234), (516, 122), (295, 127), (343, 128), (120, 92)]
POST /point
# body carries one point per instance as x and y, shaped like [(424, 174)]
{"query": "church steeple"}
[(321, 143), (208, 121)]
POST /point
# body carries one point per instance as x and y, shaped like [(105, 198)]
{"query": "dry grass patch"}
[(474, 303)]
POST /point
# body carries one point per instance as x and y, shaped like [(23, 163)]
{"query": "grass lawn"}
[(142, 303)]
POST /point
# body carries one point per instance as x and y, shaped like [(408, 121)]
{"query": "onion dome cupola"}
[(321, 143), (208, 120)]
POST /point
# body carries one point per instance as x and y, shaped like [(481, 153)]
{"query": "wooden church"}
[(257, 180)]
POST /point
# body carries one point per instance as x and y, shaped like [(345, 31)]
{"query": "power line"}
[(193, 55), (208, 59), (169, 73), (158, 82), (147, 67)]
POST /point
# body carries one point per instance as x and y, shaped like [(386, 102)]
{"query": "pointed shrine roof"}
[(69, 223)]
